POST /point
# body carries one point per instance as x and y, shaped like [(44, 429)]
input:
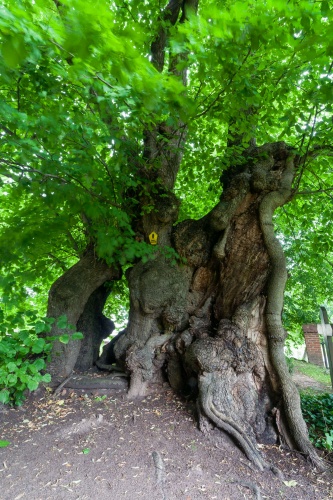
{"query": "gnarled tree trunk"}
[(217, 318), (80, 294)]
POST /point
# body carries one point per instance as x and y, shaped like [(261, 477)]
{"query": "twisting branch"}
[(58, 261), (318, 150), (304, 135), (29, 170), (125, 6), (321, 189), (275, 293), (303, 160)]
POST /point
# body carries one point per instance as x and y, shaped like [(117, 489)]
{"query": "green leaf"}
[(39, 364), (77, 336), (46, 378), (11, 367), (32, 384), (14, 50), (4, 396), (4, 444), (305, 22), (85, 451), (255, 42), (325, 8), (38, 346), (11, 379), (41, 327), (64, 338), (62, 322)]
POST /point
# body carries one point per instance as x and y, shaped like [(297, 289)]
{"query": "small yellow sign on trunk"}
[(153, 238)]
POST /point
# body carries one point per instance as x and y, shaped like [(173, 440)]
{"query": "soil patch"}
[(97, 444), (304, 382)]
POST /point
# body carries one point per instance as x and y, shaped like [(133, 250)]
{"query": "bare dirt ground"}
[(96, 444), (304, 382)]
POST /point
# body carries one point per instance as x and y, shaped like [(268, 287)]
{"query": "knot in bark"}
[(229, 349)]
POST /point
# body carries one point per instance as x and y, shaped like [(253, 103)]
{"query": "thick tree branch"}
[(163, 144), (168, 17), (74, 244), (303, 160)]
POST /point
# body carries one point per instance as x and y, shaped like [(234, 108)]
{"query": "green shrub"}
[(23, 354), (318, 414)]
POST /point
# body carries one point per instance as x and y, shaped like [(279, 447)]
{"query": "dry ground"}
[(87, 445)]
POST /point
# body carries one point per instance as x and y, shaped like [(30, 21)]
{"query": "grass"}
[(317, 404), (320, 374)]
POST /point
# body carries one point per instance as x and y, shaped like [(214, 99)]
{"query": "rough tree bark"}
[(80, 294)]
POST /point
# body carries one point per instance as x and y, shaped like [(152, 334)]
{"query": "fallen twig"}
[(160, 471), (58, 389)]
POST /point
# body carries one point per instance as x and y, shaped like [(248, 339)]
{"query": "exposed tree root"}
[(159, 466), (138, 388), (227, 424), (86, 382), (284, 437)]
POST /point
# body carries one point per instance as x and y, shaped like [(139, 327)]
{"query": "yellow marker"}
[(153, 238)]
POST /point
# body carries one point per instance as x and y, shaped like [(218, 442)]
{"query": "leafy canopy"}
[(78, 89)]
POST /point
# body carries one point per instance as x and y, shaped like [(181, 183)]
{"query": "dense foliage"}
[(23, 353), (318, 414), (78, 88)]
